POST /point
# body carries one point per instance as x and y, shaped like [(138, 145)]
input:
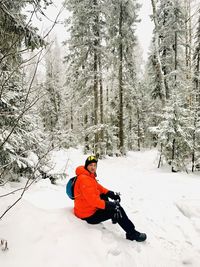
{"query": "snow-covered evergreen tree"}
[(173, 125), (121, 19), (51, 102), (195, 129), (101, 62), (17, 128), (83, 72)]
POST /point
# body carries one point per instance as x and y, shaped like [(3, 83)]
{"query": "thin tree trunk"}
[(197, 79), (95, 79), (107, 118), (130, 141), (194, 142), (161, 148), (190, 40), (164, 67), (86, 146), (173, 153), (101, 107), (72, 118), (138, 129), (159, 64), (197, 101), (120, 77), (175, 54), (186, 34), (175, 68), (188, 47)]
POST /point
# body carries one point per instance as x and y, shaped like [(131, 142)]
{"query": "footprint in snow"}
[(114, 251), (187, 262)]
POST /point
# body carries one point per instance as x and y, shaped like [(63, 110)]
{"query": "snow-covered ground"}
[(42, 231)]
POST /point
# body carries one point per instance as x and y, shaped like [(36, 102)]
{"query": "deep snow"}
[(42, 231)]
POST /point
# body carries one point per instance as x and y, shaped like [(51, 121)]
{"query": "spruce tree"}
[(174, 138), (121, 20), (84, 60)]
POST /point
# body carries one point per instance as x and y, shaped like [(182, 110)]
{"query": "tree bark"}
[(188, 37), (197, 102), (138, 128), (71, 118), (102, 149), (120, 79), (95, 72), (86, 146), (173, 153), (175, 68), (194, 142), (159, 64)]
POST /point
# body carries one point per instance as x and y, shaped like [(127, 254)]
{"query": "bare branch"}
[(54, 23)]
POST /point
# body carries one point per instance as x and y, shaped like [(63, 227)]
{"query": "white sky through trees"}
[(144, 28)]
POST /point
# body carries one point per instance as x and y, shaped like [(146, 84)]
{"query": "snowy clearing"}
[(42, 230)]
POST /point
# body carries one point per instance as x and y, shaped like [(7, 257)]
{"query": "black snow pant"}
[(104, 215)]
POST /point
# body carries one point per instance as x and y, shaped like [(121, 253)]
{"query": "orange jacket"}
[(87, 194)]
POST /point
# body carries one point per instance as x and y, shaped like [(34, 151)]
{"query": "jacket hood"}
[(81, 170)]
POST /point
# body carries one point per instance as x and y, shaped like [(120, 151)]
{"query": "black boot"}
[(137, 236)]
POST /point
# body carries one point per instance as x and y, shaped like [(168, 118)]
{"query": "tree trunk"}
[(130, 128), (173, 154), (95, 78), (197, 79), (86, 146), (194, 141), (188, 47), (106, 120), (164, 68), (175, 54), (197, 107), (72, 118), (159, 64), (102, 147), (120, 78), (161, 150), (138, 129), (175, 68), (186, 34)]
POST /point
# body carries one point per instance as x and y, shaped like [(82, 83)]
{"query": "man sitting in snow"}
[(92, 204)]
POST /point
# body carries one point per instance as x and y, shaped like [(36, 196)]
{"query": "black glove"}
[(110, 205), (113, 195)]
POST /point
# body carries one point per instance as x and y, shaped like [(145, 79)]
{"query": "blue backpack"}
[(70, 187)]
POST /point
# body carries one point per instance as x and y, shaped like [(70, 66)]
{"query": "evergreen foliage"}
[(101, 58), (18, 130), (99, 97), (174, 123)]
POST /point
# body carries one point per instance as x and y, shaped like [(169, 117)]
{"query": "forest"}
[(94, 90)]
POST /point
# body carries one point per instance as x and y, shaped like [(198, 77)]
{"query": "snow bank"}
[(42, 230)]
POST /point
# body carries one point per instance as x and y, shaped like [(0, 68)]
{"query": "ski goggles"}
[(90, 158)]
